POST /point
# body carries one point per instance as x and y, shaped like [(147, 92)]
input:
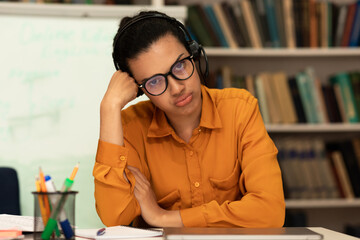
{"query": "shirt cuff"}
[(111, 154), (193, 217)]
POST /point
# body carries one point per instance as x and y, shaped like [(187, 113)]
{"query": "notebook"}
[(293, 233)]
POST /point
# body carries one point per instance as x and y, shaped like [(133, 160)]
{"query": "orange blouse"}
[(226, 176)]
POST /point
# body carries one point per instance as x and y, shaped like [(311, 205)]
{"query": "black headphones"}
[(195, 49)]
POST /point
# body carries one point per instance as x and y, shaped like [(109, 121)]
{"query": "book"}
[(289, 25), (239, 15), (355, 30), (224, 25), (355, 84), (343, 80), (198, 28), (331, 104), (295, 94), (279, 14), (324, 169), (272, 24), (314, 87), (23, 223), (283, 94), (323, 24), (260, 13), (251, 24), (271, 100), (306, 97), (341, 104), (215, 25), (298, 21), (118, 232), (261, 95), (348, 24), (234, 27), (340, 169), (340, 24), (305, 23), (206, 23), (313, 25), (226, 74)]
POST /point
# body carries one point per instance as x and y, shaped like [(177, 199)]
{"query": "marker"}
[(100, 232), (64, 222), (51, 224)]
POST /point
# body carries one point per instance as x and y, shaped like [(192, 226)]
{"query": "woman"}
[(191, 156)]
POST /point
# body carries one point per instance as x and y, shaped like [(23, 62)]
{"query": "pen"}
[(59, 206), (100, 232), (64, 222)]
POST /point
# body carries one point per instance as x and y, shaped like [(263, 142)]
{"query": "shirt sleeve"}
[(262, 204), (114, 198)]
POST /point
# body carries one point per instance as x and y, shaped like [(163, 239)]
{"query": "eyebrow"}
[(177, 59)]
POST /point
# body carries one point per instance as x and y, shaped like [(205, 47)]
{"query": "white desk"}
[(328, 235)]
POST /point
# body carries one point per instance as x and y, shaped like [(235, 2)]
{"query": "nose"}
[(176, 87)]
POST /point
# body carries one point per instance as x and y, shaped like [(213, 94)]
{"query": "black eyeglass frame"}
[(142, 85)]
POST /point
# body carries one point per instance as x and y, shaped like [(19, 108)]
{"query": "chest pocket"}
[(227, 188), (171, 201)]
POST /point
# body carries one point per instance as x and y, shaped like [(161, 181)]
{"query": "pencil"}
[(73, 174), (41, 201), (43, 189)]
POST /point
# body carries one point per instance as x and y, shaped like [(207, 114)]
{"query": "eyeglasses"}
[(180, 70)]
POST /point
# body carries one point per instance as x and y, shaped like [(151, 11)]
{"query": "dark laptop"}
[(289, 233)]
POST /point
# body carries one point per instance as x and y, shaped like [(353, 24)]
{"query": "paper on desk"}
[(23, 223), (117, 232)]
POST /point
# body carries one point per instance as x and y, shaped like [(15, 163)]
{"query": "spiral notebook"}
[(293, 233)]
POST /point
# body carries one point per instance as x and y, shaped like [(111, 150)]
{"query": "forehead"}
[(158, 58)]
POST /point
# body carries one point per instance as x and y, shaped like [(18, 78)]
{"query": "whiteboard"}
[(54, 72)]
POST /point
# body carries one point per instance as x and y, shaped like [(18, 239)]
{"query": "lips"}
[(183, 100)]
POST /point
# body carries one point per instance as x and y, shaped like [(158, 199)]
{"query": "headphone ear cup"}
[(195, 49)]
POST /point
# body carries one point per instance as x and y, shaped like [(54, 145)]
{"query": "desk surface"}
[(328, 235)]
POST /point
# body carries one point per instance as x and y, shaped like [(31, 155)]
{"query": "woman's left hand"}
[(151, 212)]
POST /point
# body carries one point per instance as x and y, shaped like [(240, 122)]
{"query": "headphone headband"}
[(195, 49)]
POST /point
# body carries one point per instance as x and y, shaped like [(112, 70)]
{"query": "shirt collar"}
[(210, 118)]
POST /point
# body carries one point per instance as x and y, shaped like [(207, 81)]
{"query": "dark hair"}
[(141, 34)]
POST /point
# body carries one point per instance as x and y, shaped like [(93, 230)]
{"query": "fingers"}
[(121, 89), (141, 180)]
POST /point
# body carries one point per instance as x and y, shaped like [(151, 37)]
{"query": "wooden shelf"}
[(282, 52), (321, 128), (321, 203)]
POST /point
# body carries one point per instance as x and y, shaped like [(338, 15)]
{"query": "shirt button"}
[(191, 153), (197, 184), (199, 129), (122, 158)]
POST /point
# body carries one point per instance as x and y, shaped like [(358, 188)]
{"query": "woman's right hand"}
[(121, 90)]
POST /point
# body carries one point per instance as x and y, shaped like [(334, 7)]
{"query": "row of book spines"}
[(95, 2), (298, 99), (271, 23), (312, 168)]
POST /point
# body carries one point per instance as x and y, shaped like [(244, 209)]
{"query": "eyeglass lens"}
[(181, 70)]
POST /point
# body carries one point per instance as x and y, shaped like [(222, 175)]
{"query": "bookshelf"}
[(326, 61)]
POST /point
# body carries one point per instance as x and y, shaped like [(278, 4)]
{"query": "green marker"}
[(52, 223)]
